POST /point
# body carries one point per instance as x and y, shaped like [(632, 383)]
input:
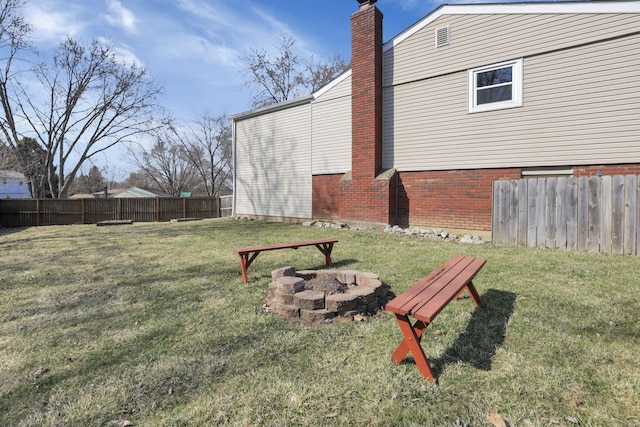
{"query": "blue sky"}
[(192, 48)]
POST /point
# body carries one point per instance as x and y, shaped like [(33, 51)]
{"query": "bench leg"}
[(246, 258), (411, 343), (326, 249), (475, 297)]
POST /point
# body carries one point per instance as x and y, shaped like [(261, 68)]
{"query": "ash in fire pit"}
[(326, 283), (320, 296)]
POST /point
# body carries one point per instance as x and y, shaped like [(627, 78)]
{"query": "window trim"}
[(516, 88)]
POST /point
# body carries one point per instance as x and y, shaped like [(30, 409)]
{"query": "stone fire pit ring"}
[(320, 296)]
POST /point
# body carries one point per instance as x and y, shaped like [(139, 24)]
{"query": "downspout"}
[(233, 167)]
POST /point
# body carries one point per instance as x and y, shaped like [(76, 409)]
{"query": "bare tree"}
[(166, 164), (93, 102), (319, 73), (82, 102), (14, 33), (284, 76), (207, 146)]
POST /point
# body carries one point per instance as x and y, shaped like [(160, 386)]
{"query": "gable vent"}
[(443, 36)]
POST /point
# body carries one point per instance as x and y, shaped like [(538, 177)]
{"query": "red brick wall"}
[(327, 196), (449, 199), (364, 200), (368, 201), (624, 169)]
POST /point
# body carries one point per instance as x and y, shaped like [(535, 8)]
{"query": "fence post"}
[(561, 212), (572, 213), (617, 218), (184, 207), (606, 204), (532, 209), (630, 226)]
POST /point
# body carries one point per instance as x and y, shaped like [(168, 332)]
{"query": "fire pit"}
[(320, 296)]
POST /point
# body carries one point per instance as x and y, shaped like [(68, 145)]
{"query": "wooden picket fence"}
[(596, 214), (29, 212)]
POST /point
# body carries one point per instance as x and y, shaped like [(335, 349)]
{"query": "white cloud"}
[(237, 27), (119, 16), (122, 52), (272, 23), (52, 25), (215, 14), (193, 46)]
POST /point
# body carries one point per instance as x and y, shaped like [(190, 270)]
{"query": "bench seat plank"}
[(412, 298), (459, 280)]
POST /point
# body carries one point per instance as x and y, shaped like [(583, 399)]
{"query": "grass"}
[(151, 323)]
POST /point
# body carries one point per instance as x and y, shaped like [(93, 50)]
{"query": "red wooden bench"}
[(425, 299), (248, 255)]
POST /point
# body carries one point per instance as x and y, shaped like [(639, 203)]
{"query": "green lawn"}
[(152, 324)]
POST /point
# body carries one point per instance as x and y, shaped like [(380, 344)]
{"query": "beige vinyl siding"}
[(341, 89), (273, 164), (477, 40), (331, 131), (580, 107)]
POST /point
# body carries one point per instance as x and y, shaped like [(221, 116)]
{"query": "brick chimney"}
[(366, 90), (369, 195)]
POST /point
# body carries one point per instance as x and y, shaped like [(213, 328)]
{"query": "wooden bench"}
[(425, 299), (248, 255)]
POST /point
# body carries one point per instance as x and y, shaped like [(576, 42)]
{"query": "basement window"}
[(547, 172), (496, 86)]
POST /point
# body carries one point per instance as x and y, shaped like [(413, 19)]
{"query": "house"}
[(14, 185), (107, 193), (139, 192), (103, 194), (419, 128)]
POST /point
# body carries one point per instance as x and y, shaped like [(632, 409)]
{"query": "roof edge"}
[(333, 83), (274, 107), (632, 6)]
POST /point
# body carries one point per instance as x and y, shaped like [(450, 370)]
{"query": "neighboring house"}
[(108, 194), (140, 192), (97, 194), (13, 185), (420, 126), (81, 196)]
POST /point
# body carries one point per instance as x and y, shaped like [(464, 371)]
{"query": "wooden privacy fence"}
[(226, 205), (596, 214), (28, 212)]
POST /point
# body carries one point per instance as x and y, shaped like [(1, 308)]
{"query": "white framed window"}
[(496, 86)]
